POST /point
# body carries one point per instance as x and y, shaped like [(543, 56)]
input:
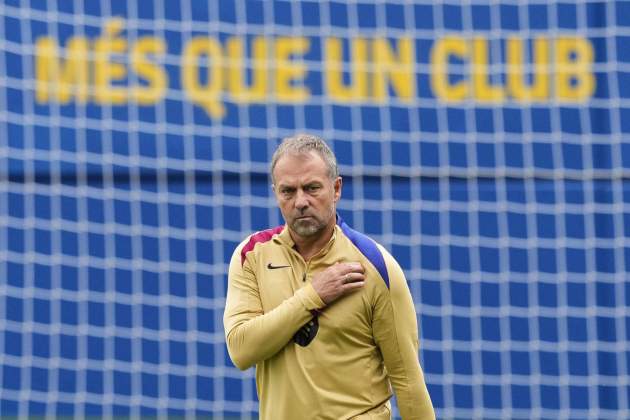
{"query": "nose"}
[(301, 200)]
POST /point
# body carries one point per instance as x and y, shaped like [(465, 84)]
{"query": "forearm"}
[(400, 354), (254, 338), (413, 400)]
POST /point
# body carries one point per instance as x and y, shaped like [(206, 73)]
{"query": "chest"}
[(282, 276)]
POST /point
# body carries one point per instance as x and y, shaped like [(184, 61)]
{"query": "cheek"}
[(285, 206)]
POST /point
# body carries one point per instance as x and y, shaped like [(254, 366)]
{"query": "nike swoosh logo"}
[(273, 267)]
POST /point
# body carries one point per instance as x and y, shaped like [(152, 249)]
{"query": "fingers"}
[(352, 277), (353, 285), (350, 267), (338, 280)]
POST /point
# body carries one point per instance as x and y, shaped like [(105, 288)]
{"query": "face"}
[(305, 193)]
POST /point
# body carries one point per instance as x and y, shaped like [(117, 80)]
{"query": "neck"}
[(308, 246)]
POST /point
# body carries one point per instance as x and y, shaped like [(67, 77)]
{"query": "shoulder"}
[(249, 244), (375, 253)]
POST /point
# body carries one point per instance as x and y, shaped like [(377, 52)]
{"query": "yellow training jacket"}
[(367, 341)]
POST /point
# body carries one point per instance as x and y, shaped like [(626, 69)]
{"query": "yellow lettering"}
[(58, 81), (208, 96), (517, 87), (236, 69), (397, 70), (574, 79), (357, 89), (288, 71), (154, 75), (442, 50), (483, 90), (106, 71)]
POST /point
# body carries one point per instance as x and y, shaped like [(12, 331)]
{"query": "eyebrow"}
[(311, 182)]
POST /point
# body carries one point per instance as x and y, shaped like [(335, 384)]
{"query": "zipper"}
[(305, 264)]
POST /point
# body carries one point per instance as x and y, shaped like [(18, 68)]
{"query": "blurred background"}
[(484, 144)]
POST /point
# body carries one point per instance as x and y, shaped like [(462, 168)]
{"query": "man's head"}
[(306, 183), (302, 144)]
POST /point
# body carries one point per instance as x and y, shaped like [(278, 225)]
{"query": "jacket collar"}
[(284, 238)]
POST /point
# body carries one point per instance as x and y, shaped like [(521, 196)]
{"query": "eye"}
[(312, 188), (287, 191)]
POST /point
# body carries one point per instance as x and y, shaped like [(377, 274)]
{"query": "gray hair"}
[(301, 144)]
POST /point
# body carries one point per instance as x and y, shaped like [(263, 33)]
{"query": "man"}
[(323, 311)]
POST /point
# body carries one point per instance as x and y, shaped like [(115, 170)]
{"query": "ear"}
[(337, 183)]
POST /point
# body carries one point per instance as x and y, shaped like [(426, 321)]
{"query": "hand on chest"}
[(282, 278)]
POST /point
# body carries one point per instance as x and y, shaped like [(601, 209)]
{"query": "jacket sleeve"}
[(251, 334), (396, 333)]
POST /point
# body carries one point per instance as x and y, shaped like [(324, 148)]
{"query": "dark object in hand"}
[(307, 333)]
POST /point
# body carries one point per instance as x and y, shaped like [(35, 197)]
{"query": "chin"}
[(306, 231)]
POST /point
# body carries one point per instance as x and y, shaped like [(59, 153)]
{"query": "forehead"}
[(299, 168)]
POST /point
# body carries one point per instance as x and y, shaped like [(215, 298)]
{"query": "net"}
[(485, 145)]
